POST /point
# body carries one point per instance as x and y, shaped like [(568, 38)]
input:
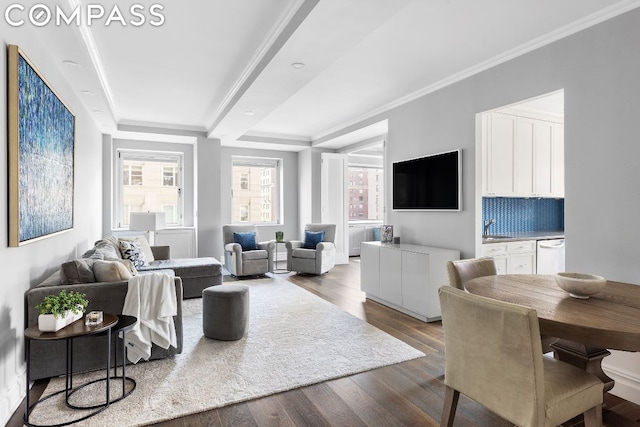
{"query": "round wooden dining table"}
[(586, 328)]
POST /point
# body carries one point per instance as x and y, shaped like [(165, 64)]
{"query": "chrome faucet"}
[(487, 224)]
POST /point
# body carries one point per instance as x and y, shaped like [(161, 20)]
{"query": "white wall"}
[(25, 266), (289, 192), (209, 190), (310, 177), (598, 69)]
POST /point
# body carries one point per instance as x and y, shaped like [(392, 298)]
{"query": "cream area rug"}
[(295, 339)]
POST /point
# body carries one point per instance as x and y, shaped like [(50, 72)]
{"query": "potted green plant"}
[(57, 311)]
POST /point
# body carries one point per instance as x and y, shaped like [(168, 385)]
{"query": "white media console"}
[(405, 277)]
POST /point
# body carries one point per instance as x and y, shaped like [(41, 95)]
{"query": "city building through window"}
[(256, 190), (149, 181), (366, 201)]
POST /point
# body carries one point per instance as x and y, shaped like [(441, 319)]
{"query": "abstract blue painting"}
[(44, 151)]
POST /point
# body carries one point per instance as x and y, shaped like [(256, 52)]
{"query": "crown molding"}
[(565, 31)]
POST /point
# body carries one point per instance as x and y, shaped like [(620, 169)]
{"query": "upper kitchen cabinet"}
[(522, 157)]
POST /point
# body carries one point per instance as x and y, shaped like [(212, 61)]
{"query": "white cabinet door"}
[(542, 159), (557, 161), (523, 158), (517, 257), (522, 264), (522, 246), (180, 240), (494, 249), (391, 275), (501, 264), (500, 156), (415, 282), (370, 269)]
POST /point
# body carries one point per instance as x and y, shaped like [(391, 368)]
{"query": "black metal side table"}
[(75, 330), (124, 324)]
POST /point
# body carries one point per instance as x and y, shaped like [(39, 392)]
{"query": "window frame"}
[(122, 155)]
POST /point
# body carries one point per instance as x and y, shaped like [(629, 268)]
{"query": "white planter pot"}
[(50, 323)]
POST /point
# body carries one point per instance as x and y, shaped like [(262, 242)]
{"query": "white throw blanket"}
[(151, 298)]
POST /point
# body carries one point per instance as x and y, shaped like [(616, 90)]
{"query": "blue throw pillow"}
[(312, 238), (246, 239)]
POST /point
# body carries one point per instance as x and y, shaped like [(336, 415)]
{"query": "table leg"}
[(584, 357), (108, 365), (28, 355), (68, 379), (124, 362)]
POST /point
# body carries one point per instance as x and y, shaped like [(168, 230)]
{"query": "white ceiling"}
[(223, 67)]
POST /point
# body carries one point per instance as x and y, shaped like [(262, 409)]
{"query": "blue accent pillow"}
[(376, 234), (246, 239), (312, 238)]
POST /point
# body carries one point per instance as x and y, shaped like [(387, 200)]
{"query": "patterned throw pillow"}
[(131, 250)]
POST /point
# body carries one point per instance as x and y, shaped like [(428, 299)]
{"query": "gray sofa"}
[(48, 357)]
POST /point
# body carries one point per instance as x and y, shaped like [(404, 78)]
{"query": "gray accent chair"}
[(313, 261), (493, 356), (246, 263)]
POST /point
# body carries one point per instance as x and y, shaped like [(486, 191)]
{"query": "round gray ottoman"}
[(225, 312)]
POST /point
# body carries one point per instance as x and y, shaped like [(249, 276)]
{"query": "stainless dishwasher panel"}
[(550, 256)]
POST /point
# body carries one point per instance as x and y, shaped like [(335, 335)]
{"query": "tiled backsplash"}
[(515, 215)]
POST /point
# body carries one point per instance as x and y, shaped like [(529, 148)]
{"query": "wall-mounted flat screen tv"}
[(431, 182)]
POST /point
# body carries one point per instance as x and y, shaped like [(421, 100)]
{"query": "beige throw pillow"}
[(110, 271)]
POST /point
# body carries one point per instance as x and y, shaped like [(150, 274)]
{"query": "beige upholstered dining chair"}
[(493, 357), (461, 271)]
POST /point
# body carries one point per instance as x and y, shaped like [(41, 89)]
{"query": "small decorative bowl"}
[(580, 285)]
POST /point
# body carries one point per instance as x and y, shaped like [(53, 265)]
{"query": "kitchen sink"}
[(495, 237)]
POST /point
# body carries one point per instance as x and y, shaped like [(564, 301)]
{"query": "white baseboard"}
[(627, 383), (11, 395)]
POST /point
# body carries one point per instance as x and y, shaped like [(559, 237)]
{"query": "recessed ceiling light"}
[(249, 113), (70, 63), (297, 65), (87, 92), (97, 111)]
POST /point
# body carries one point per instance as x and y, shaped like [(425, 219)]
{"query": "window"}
[(244, 181), (369, 197), (171, 213), (132, 174), (169, 176), (256, 190), (150, 182)]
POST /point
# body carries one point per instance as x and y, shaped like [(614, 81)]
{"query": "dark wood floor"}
[(405, 394)]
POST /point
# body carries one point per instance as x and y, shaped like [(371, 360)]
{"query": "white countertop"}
[(529, 235)]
